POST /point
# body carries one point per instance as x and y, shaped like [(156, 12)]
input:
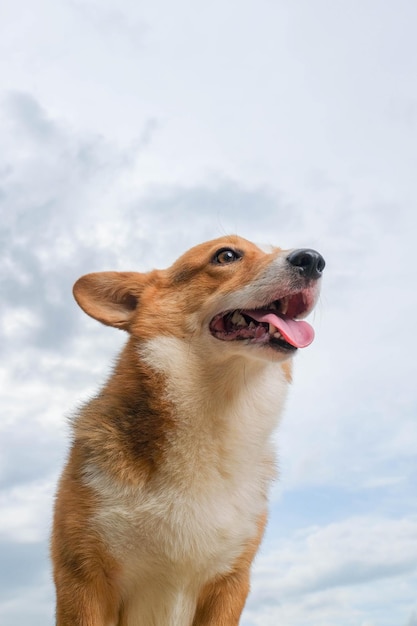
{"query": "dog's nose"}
[(308, 262)]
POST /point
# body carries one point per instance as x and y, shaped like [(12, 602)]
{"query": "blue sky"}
[(131, 131)]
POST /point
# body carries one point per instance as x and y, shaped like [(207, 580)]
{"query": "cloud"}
[(26, 510), (26, 591), (316, 573), (31, 603), (349, 553), (50, 233), (118, 25), (412, 621), (23, 566)]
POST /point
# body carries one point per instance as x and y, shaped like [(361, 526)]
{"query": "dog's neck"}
[(201, 383), (231, 404), (171, 406)]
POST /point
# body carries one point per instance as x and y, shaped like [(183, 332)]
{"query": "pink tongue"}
[(297, 332)]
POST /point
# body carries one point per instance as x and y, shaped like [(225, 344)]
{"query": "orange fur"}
[(162, 504)]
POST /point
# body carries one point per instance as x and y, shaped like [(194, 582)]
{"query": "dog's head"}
[(227, 295)]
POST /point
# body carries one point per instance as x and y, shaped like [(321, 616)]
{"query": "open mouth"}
[(276, 325)]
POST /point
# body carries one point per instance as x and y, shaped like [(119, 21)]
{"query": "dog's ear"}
[(110, 297)]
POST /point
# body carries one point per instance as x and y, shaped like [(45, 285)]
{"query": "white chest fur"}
[(195, 516)]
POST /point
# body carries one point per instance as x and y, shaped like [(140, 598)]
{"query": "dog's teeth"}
[(271, 329), (238, 319), (284, 306), (277, 335), (252, 325)]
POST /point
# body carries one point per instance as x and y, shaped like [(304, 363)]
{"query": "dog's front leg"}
[(89, 604), (85, 574), (221, 602)]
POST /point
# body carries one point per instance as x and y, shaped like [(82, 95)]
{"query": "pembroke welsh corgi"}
[(163, 501)]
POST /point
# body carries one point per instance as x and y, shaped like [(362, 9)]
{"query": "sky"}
[(130, 131)]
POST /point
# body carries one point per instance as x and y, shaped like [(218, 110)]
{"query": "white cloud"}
[(346, 573), (26, 511), (18, 321)]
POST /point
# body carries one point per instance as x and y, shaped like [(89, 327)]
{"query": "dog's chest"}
[(198, 527)]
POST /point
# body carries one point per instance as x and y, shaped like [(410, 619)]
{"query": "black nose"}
[(308, 262)]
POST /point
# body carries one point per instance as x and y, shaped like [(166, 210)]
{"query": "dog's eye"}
[(226, 255)]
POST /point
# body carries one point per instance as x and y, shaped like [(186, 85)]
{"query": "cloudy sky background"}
[(129, 131)]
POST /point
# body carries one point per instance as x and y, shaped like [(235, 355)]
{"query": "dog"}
[(162, 504)]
